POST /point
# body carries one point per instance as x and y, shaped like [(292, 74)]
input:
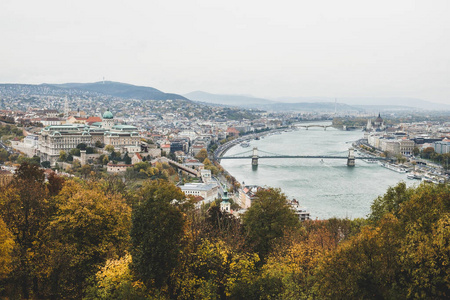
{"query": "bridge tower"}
[(351, 158), (255, 157)]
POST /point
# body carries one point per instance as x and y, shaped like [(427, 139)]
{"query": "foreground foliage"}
[(72, 239)]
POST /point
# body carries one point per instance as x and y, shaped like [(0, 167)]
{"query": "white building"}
[(208, 191)]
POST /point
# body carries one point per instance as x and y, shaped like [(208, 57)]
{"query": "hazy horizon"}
[(323, 48)]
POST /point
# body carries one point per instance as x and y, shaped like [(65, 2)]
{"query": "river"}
[(326, 189)]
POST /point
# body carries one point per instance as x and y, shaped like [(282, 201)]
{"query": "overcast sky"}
[(264, 48)]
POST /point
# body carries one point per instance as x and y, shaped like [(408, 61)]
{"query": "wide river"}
[(326, 189)]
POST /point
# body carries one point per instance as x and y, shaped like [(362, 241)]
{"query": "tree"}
[(127, 159), (75, 152), (62, 155), (6, 247), (427, 152), (115, 281), (89, 150), (109, 148), (85, 170), (202, 155), (390, 202), (89, 227), (157, 231), (45, 164), (99, 144), (81, 146), (267, 220), (25, 209), (3, 155)]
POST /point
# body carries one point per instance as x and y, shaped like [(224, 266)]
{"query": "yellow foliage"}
[(6, 247)]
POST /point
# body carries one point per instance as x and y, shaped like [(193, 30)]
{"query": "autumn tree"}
[(202, 155), (216, 271), (26, 210), (267, 220), (109, 148), (6, 248), (157, 231), (89, 227), (115, 281), (403, 253)]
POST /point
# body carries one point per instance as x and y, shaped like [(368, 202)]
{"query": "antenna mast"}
[(335, 106)]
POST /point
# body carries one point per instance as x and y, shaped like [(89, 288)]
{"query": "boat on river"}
[(414, 176), (245, 145), (370, 160), (395, 168)]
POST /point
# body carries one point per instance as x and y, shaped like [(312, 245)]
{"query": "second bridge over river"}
[(254, 156)]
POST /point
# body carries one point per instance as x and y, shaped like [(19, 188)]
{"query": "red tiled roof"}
[(93, 119)]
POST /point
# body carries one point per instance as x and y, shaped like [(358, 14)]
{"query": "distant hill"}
[(108, 88), (122, 90), (373, 102), (290, 104), (324, 104), (327, 107), (230, 100)]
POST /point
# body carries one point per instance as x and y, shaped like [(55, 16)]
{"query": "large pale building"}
[(54, 139)]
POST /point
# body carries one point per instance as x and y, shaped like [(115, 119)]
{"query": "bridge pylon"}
[(255, 157), (351, 158)]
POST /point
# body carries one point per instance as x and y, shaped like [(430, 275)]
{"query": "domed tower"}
[(108, 120), (225, 205), (378, 121)]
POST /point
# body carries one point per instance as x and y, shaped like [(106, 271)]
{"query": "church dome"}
[(379, 119), (108, 115)]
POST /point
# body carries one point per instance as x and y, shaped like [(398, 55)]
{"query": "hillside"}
[(109, 88), (122, 90)]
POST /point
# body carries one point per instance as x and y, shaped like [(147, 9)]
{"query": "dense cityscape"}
[(128, 151), (154, 150)]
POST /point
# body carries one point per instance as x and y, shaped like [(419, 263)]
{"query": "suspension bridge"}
[(254, 156)]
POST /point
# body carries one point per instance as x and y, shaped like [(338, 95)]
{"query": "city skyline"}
[(292, 49)]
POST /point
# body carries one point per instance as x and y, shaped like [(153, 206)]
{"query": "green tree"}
[(45, 164), (62, 155), (390, 202), (267, 220), (85, 170), (105, 160), (81, 146), (3, 155), (89, 150), (75, 152), (157, 232), (127, 159), (99, 144), (109, 148)]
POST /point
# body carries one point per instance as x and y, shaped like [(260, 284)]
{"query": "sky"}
[(328, 48)]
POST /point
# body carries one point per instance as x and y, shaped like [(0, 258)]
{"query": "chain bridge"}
[(254, 156)]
